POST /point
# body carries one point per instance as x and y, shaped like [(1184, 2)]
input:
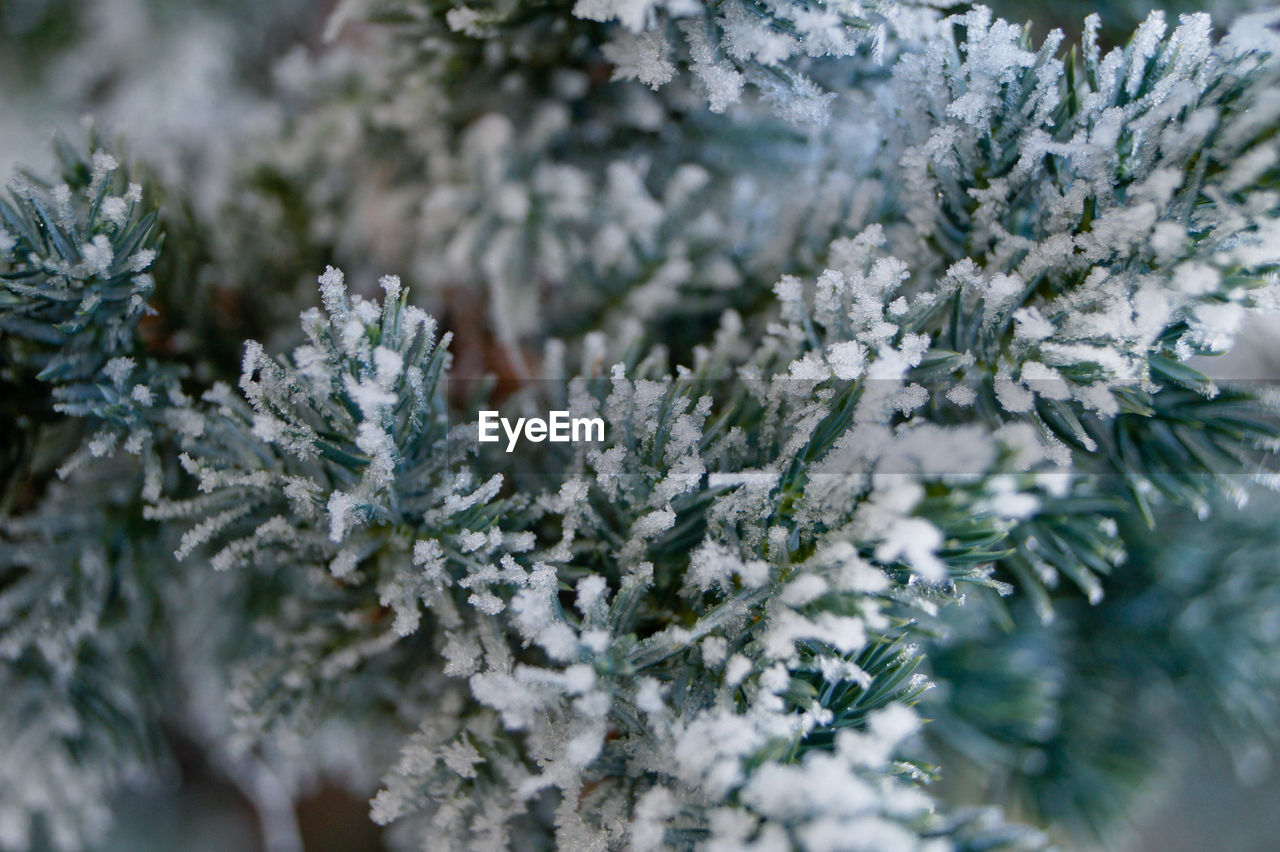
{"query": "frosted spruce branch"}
[(901, 351), (728, 48)]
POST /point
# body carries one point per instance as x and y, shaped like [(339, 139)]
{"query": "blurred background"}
[(191, 85)]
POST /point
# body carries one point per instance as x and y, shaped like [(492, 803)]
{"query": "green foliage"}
[(1064, 717), (898, 411)]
